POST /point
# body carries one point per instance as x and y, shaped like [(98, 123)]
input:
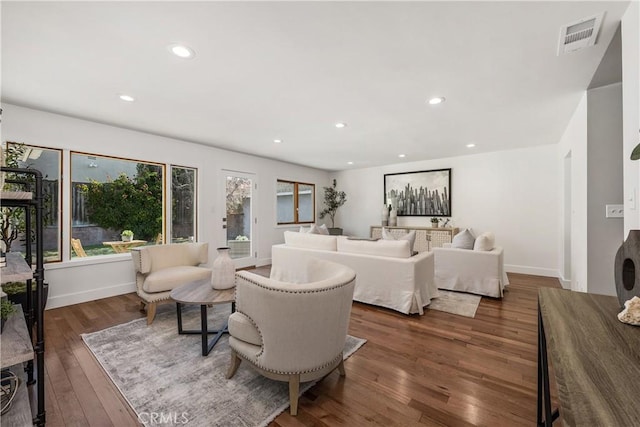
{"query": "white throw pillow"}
[(314, 230), (484, 242), (310, 241), (463, 240), (410, 236), (386, 235), (323, 230)]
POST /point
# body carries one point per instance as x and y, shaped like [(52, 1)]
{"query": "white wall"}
[(604, 171), (574, 144), (631, 113), (86, 279), (512, 193)]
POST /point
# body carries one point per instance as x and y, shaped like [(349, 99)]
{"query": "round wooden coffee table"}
[(201, 293)]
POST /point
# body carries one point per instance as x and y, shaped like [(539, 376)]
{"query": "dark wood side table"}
[(201, 293), (595, 357)]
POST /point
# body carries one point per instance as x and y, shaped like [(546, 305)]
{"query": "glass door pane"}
[(239, 218)]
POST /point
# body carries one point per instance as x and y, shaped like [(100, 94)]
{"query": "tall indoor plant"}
[(333, 199)]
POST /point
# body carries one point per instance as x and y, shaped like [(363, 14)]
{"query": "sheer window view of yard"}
[(109, 196), (183, 204), (238, 218), (12, 221)]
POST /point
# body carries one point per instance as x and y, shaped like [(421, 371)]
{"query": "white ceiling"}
[(290, 70)]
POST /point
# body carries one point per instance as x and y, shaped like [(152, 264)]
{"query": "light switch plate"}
[(614, 211)]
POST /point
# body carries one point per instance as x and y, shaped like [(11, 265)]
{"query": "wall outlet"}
[(614, 211)]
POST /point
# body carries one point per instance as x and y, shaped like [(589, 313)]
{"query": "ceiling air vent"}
[(580, 34)]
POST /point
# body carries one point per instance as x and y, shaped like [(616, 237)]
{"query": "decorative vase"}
[(335, 231), (223, 275), (126, 238), (385, 216), (434, 225), (627, 268), (393, 217)]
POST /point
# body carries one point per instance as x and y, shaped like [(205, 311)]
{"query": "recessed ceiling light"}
[(182, 51), (127, 98), (402, 155), (471, 145), (349, 163), (341, 125), (277, 141), (436, 101)]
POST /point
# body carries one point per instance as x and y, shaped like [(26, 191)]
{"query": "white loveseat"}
[(386, 273), (474, 271)]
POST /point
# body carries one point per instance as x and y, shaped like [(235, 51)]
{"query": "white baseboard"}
[(536, 271), (565, 283), (91, 295)]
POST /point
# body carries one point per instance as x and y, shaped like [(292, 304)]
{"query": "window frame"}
[(296, 206)]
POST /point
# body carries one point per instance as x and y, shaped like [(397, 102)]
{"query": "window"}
[(296, 202), (49, 162), (110, 195), (183, 204)]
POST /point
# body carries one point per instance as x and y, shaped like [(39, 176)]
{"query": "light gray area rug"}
[(456, 303), (164, 375)]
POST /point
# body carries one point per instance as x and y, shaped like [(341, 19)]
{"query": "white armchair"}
[(292, 332), (467, 270), (161, 268)]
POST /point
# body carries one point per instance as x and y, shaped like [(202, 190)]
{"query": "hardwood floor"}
[(436, 370)]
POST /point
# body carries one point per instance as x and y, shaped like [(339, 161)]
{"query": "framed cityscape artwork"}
[(423, 193)]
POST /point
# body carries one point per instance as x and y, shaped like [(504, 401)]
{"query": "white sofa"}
[(386, 273), (474, 271)]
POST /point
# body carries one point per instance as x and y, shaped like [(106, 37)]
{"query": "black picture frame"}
[(430, 192)]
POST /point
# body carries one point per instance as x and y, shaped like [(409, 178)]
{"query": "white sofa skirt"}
[(402, 284)]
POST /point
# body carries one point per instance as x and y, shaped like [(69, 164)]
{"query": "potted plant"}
[(127, 236), (6, 309), (333, 199), (434, 222)]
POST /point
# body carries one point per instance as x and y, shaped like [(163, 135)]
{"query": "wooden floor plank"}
[(433, 370)]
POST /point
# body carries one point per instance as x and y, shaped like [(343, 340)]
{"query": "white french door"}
[(239, 221)]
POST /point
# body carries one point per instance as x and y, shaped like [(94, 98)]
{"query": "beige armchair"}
[(161, 268), (292, 331)]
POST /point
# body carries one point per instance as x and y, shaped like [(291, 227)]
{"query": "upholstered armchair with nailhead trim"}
[(161, 268), (292, 332)]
